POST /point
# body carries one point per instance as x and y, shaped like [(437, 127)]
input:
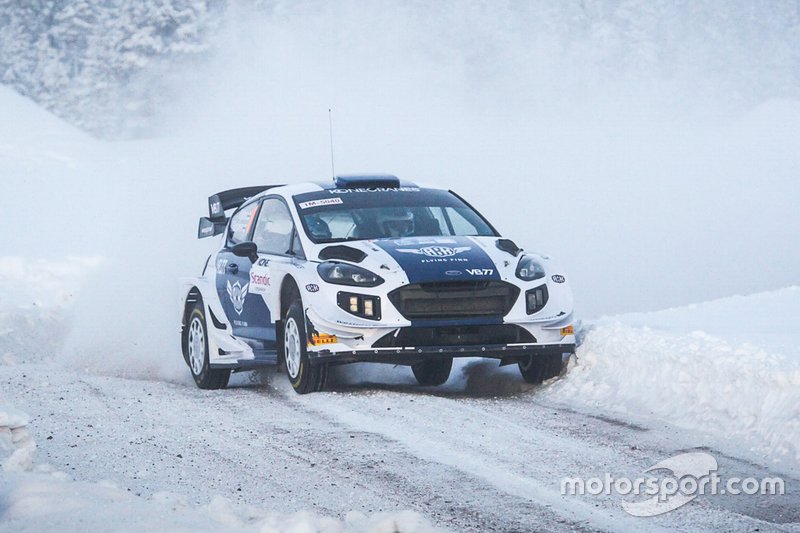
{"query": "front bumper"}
[(507, 353)]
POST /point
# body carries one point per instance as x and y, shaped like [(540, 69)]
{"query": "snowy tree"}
[(87, 60)]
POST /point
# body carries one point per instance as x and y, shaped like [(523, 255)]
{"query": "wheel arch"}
[(289, 290), (192, 297)]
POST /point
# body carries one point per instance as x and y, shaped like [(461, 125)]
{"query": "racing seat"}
[(366, 230), (426, 226)]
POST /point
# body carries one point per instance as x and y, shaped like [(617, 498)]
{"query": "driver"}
[(318, 227), (395, 222)]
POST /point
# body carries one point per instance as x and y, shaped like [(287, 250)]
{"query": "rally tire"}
[(541, 367), (303, 376), (433, 372), (197, 352)]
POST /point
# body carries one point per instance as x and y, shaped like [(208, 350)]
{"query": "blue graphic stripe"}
[(430, 259)]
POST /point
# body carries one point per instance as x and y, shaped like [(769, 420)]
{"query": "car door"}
[(274, 236), (246, 311)]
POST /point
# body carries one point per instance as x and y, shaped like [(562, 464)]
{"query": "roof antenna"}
[(330, 127)]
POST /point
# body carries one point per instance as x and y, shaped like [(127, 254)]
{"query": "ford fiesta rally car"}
[(366, 268)]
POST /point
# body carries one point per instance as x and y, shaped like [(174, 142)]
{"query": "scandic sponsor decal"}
[(318, 203), (259, 279)]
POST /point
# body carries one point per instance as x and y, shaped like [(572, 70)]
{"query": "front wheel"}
[(538, 368), (303, 376), (433, 372), (197, 352)]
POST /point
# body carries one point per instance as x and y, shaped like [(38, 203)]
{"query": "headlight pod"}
[(529, 268), (347, 274)]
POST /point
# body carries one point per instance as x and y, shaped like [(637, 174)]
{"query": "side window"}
[(273, 233), (297, 248), (240, 224), (461, 226)]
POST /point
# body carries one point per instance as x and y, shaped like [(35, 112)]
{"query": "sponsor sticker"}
[(480, 271), (237, 293), (374, 189), (318, 203), (323, 338), (259, 277), (312, 287), (436, 251), (558, 278)]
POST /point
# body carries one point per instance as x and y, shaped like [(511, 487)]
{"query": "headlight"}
[(529, 268), (346, 274)]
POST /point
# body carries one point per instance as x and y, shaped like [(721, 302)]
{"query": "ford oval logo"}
[(453, 273)]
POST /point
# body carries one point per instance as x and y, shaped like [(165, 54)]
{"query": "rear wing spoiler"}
[(215, 222)]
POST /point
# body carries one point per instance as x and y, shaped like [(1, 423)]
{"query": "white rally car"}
[(367, 268)]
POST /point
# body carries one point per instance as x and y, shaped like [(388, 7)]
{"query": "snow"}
[(17, 447), (650, 166), (729, 367), (721, 390), (41, 499), (44, 502)]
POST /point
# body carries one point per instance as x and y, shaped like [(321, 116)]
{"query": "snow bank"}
[(16, 445), (35, 299), (45, 502), (726, 384), (26, 282)]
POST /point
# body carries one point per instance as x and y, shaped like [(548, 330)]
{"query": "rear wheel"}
[(303, 376), (197, 352), (538, 368), (433, 371)]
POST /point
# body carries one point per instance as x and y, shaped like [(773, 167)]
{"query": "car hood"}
[(431, 259)]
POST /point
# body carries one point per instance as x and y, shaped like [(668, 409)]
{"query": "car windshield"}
[(336, 215)]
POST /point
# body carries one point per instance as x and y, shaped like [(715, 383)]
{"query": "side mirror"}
[(246, 249)]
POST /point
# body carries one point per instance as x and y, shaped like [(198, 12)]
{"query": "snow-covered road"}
[(485, 452), (485, 457)]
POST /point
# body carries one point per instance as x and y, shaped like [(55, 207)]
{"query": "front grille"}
[(455, 299), (455, 336)]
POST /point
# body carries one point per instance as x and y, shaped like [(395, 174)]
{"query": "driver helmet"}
[(318, 228), (395, 222)]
